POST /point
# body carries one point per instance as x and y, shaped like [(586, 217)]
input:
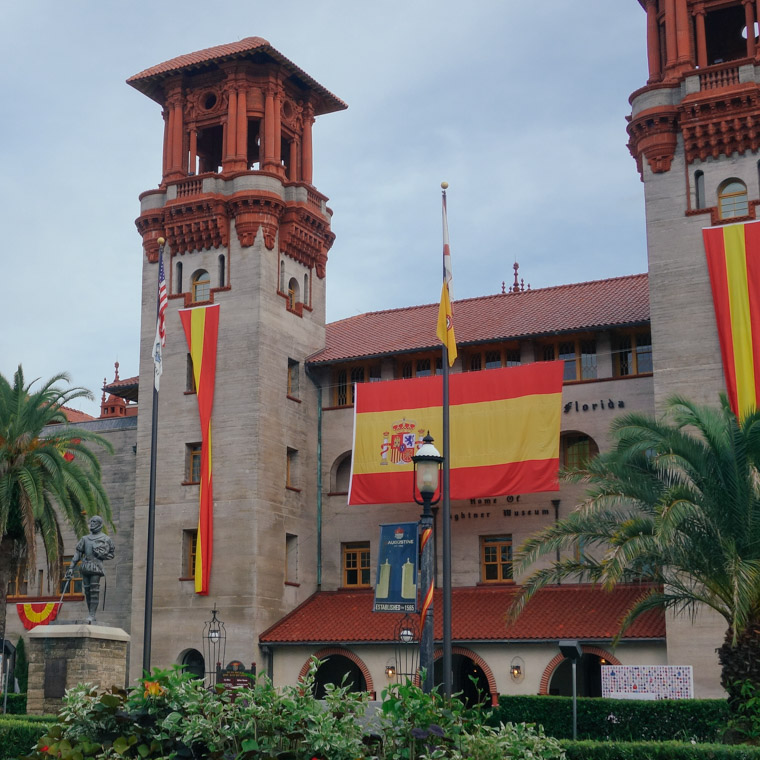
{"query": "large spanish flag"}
[(201, 329), (733, 258), (33, 614), (504, 433)]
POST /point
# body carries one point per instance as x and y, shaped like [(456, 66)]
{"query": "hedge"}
[(703, 720), (16, 703), (19, 735), (589, 750)]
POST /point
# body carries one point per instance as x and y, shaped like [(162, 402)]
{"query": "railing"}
[(314, 199), (189, 187), (714, 77)]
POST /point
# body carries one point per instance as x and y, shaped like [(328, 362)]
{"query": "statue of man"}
[(89, 554)]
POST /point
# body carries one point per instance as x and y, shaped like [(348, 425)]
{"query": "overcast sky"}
[(520, 107)]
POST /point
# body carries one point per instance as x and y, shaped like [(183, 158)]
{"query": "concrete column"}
[(306, 156), (671, 42), (268, 128), (242, 126), (749, 20), (231, 141), (683, 37), (699, 13), (277, 129), (653, 42)]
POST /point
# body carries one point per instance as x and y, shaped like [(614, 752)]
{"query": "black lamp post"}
[(427, 476), (214, 647), (571, 649)]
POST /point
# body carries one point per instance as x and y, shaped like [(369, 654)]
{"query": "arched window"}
[(293, 294), (575, 449), (732, 199), (699, 188), (222, 273), (341, 474), (193, 663), (178, 277), (201, 285)]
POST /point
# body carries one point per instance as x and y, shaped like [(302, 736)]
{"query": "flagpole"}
[(148, 622), (446, 505)]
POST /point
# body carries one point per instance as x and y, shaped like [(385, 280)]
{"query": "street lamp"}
[(572, 650), (214, 646), (427, 477)]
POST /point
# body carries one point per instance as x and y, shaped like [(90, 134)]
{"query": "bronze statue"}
[(90, 552)]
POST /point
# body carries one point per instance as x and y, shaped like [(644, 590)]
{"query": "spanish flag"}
[(33, 614), (733, 259), (445, 329), (201, 327), (504, 433)]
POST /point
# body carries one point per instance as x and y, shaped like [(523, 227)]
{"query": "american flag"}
[(163, 301)]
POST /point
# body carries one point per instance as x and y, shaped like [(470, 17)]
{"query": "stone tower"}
[(245, 229), (695, 134)]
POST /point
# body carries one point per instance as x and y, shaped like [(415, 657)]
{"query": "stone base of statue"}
[(62, 656)]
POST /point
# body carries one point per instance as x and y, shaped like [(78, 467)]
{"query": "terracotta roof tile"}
[(147, 81), (74, 415), (565, 308), (126, 388), (478, 614)]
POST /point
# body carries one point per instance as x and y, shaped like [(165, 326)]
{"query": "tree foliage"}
[(675, 501), (49, 472)]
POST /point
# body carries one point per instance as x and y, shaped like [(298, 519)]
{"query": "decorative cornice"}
[(254, 210), (306, 237), (653, 134)]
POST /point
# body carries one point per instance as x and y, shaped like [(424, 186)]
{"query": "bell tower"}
[(247, 231), (694, 131)]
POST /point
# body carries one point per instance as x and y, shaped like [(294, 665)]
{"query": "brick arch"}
[(559, 658), (349, 655), (481, 663)]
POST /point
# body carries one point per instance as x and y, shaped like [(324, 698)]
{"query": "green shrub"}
[(16, 703), (18, 736), (703, 720), (589, 750), (21, 668)]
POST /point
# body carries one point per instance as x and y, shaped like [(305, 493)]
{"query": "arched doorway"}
[(467, 677), (193, 663), (334, 669), (589, 677)]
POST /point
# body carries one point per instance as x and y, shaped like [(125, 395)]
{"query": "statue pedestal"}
[(62, 656)]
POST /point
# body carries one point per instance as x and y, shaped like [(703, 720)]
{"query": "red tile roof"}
[(478, 614), (74, 415), (148, 81), (126, 388), (545, 311)]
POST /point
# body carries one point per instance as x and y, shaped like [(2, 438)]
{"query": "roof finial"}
[(516, 287), (116, 367), (503, 287), (103, 397)]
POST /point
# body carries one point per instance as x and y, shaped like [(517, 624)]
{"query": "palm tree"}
[(675, 501), (48, 473)]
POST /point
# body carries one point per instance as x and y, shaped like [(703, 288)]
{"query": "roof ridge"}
[(563, 286)]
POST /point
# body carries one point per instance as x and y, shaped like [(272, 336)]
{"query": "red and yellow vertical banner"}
[(733, 260), (201, 327)]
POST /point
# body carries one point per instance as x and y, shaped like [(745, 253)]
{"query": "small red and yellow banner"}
[(33, 614), (504, 433), (201, 327), (733, 260)]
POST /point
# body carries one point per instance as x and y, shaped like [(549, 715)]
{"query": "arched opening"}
[(699, 188), (575, 449), (339, 670), (201, 286), (222, 273), (467, 677), (732, 199), (178, 277), (282, 277), (341, 474), (193, 663), (306, 293), (293, 294), (589, 677)]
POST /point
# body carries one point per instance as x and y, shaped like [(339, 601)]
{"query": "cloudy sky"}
[(520, 107)]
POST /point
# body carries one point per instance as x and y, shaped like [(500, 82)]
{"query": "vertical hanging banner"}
[(201, 327), (733, 260), (397, 567), (504, 433)]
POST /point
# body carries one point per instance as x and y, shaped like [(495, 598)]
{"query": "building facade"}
[(246, 229)]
